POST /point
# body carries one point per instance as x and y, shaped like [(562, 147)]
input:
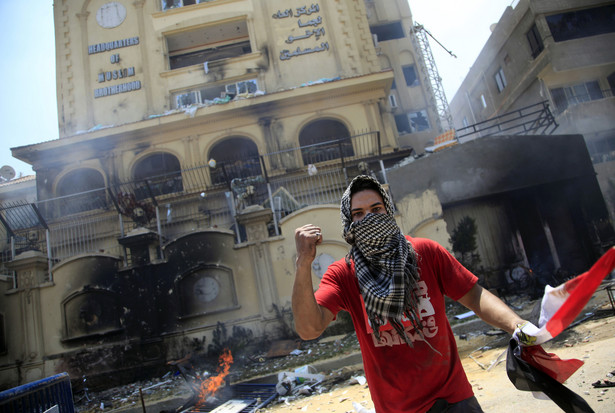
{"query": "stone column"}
[(31, 269), (255, 218)]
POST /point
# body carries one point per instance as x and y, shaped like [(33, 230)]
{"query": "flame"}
[(210, 385)]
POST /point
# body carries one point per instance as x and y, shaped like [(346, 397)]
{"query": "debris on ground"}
[(604, 383)]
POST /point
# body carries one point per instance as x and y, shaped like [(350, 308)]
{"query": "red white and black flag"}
[(529, 367)]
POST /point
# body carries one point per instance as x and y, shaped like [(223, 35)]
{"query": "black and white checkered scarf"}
[(385, 264)]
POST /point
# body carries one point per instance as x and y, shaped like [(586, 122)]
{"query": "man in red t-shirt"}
[(393, 287)]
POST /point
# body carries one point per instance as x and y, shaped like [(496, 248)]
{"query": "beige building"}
[(195, 136), (554, 53)]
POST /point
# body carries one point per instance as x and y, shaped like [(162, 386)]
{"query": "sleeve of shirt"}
[(455, 280), (330, 291)]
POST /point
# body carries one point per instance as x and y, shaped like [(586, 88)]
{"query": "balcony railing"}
[(342, 151), (533, 119), (196, 197)]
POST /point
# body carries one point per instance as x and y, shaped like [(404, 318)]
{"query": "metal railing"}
[(533, 119), (172, 204), (39, 396), (344, 150)]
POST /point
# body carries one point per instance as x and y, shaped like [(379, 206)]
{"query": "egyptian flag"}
[(562, 304), (529, 367)]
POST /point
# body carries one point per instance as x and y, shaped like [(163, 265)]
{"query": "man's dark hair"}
[(362, 185)]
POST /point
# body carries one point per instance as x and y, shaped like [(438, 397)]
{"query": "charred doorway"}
[(555, 224)]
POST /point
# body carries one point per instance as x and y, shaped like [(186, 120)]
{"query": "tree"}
[(463, 239)]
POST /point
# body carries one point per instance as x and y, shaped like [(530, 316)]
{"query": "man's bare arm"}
[(311, 319), (491, 309)]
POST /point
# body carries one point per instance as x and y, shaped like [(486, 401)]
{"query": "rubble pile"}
[(173, 390)]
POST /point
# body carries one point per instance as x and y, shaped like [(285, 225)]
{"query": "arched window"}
[(81, 190), (91, 312), (324, 140), (161, 171), (235, 157)]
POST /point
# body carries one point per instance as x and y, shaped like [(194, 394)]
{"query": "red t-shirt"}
[(403, 379)]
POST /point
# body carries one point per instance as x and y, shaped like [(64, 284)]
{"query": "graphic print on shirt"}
[(388, 335)]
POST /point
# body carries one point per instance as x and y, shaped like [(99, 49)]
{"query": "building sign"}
[(116, 74), (116, 44), (312, 31), (115, 89)]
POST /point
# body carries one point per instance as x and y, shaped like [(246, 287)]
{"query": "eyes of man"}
[(360, 214)]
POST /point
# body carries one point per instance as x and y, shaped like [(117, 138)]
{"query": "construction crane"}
[(429, 72)]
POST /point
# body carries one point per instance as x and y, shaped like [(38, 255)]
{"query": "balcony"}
[(198, 197)]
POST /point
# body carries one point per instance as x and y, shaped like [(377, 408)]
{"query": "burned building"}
[(192, 134), (195, 136), (555, 53)]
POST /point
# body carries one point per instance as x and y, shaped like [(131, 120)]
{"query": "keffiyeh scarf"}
[(385, 264)]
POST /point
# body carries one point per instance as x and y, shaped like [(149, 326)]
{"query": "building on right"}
[(554, 54)]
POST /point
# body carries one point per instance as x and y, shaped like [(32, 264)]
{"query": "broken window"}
[(582, 23), (563, 97), (412, 122), (388, 31), (208, 95), (172, 4), (325, 140), (159, 173), (235, 157), (410, 75), (242, 88), (206, 44), (500, 80), (186, 99), (535, 41), (81, 190)]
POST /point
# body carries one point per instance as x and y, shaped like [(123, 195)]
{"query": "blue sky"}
[(29, 105)]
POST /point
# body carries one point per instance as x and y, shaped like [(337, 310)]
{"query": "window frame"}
[(566, 96), (535, 41), (225, 40), (416, 81), (203, 94), (181, 3), (405, 119), (393, 100), (579, 24), (388, 31), (500, 80)]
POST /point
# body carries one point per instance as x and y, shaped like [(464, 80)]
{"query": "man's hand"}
[(525, 334), (311, 319), (307, 238)]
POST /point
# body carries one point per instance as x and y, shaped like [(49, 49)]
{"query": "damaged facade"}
[(556, 52), (190, 132), (194, 139)]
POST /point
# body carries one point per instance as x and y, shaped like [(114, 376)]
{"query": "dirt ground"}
[(592, 341)]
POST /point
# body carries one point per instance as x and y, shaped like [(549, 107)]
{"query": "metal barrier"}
[(39, 396)]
